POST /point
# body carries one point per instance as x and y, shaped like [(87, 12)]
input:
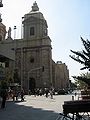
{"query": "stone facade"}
[(32, 55), (61, 76), (2, 31)]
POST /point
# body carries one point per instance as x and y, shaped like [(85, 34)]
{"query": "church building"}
[(28, 61)]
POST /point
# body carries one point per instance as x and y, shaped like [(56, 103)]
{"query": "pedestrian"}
[(46, 92), (40, 92), (51, 93), (22, 95), (4, 97), (16, 94), (13, 95), (75, 94)]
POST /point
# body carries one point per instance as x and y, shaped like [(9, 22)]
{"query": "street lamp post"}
[(21, 67), (22, 55), (22, 28), (15, 32)]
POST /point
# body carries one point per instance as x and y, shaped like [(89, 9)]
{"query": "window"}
[(45, 32), (6, 63), (31, 31), (32, 60)]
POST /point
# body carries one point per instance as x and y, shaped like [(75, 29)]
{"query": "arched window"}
[(32, 32), (31, 59)]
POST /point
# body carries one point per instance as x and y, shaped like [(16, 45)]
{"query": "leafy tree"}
[(73, 86), (83, 57), (82, 81), (3, 84)]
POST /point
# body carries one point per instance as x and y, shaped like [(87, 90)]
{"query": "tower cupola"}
[(35, 7), (34, 24)]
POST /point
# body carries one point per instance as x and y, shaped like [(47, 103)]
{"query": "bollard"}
[(72, 97)]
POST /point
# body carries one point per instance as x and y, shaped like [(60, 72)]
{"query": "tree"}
[(83, 57), (3, 84), (82, 81)]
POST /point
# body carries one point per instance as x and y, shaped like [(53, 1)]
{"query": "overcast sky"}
[(67, 20)]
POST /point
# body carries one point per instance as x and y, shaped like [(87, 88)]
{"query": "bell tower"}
[(34, 24), (35, 53)]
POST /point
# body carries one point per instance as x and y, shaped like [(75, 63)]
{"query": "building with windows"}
[(29, 60)]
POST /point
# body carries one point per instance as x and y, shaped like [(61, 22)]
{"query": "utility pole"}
[(22, 55), (21, 67), (15, 32)]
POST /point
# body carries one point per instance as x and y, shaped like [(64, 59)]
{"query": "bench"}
[(76, 106)]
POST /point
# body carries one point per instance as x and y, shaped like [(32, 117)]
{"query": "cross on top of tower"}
[(35, 7)]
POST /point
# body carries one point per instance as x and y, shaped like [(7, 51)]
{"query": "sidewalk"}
[(34, 108)]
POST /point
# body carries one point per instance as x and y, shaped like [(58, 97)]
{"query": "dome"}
[(34, 12)]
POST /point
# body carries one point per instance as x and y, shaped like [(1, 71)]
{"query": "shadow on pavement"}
[(13, 111)]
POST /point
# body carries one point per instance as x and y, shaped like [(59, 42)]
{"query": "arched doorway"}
[(32, 85)]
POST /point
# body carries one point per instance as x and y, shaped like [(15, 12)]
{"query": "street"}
[(34, 108)]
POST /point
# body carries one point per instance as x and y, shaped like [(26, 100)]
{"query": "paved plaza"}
[(34, 108)]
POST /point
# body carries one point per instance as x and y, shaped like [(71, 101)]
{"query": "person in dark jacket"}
[(22, 95), (4, 97)]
